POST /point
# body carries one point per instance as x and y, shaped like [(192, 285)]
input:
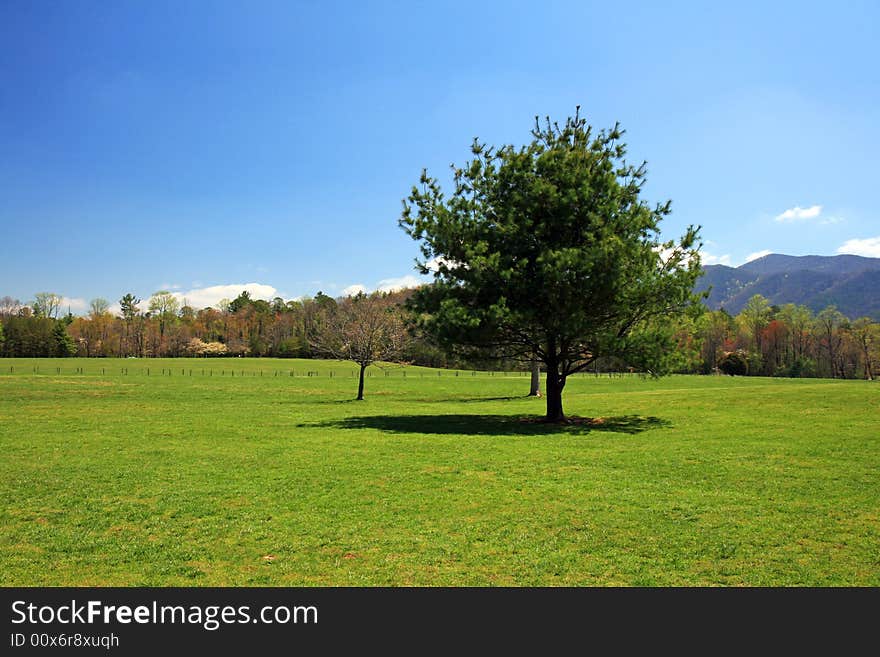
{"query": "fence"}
[(211, 372)]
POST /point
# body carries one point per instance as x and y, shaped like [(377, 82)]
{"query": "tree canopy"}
[(548, 251)]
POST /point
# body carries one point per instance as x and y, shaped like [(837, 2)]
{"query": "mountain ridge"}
[(850, 282)]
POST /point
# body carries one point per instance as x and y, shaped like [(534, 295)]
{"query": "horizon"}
[(162, 148), (254, 289)]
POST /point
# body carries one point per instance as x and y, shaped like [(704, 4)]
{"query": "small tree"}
[(363, 329), (547, 250), (535, 381), (128, 307), (63, 344)]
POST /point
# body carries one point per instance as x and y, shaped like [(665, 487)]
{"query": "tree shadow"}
[(494, 425)]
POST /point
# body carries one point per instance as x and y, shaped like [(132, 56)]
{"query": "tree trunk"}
[(555, 384), (360, 396), (535, 387)]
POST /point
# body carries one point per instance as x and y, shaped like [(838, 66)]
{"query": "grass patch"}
[(265, 474)]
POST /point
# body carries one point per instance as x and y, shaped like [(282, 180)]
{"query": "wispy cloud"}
[(758, 254), (868, 247), (798, 213), (830, 221)]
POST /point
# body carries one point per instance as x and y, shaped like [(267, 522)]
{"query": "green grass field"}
[(273, 479)]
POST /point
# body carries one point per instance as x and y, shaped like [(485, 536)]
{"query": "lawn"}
[(252, 472)]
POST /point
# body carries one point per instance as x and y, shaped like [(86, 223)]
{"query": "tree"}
[(866, 335), (548, 250), (165, 305), (9, 306), (128, 306), (535, 380), (240, 302), (62, 344), (755, 316), (798, 319), (828, 330), (715, 327), (98, 307), (363, 329), (46, 304)]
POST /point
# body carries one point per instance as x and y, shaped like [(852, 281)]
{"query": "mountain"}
[(852, 283)]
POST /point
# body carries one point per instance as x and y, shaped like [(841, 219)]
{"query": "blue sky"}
[(196, 145)]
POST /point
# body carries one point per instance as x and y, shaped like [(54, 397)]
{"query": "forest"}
[(762, 340)]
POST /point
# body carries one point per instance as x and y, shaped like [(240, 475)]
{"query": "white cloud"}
[(798, 213), (353, 290), (204, 297), (868, 247), (758, 254), (434, 263), (399, 283), (709, 259), (830, 221), (169, 286), (75, 304)]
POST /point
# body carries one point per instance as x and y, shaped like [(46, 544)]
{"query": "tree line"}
[(771, 340), (163, 326), (762, 340)]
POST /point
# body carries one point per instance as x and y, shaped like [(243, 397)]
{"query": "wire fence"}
[(210, 372)]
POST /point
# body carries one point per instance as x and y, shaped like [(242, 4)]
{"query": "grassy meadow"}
[(270, 476)]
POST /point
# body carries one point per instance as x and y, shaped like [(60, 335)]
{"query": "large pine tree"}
[(548, 251)]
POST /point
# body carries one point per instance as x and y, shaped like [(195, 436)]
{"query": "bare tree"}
[(98, 307), (363, 329), (9, 306), (866, 335), (47, 304)]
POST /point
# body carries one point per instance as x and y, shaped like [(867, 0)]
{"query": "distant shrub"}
[(292, 348), (801, 367), (734, 363)]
